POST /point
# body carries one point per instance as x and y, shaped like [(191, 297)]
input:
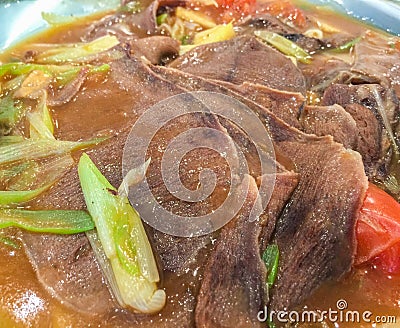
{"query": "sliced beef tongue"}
[(235, 274), (376, 57), (323, 71), (233, 287), (137, 89), (242, 59), (376, 112), (284, 104), (316, 232), (330, 120), (66, 266), (159, 50)]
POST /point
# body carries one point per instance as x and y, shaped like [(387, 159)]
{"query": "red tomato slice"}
[(287, 11), (378, 226), (389, 260), (234, 9)]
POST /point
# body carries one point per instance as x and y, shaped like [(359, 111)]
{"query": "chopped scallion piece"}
[(9, 242), (10, 197), (284, 45), (77, 53), (124, 241), (62, 73), (9, 114), (35, 149), (271, 260), (39, 173), (9, 140), (52, 221), (162, 18), (348, 45)]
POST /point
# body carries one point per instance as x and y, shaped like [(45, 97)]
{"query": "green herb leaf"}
[(10, 197), (9, 242), (10, 114), (78, 52), (348, 45), (55, 221), (35, 149), (284, 45), (271, 260), (162, 18), (124, 241)]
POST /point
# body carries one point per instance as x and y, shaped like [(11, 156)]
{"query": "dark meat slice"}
[(264, 21), (316, 232), (284, 104), (377, 117), (235, 274), (320, 217), (233, 287), (370, 142), (68, 92), (330, 120), (285, 183), (110, 25), (323, 71), (242, 59), (146, 20), (66, 266), (157, 49), (376, 57)]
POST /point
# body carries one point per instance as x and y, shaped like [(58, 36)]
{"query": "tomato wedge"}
[(378, 230), (389, 260), (286, 11), (234, 9)]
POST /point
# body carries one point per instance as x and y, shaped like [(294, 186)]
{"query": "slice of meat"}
[(376, 56), (316, 232), (285, 183), (233, 288), (235, 274), (157, 49), (284, 104), (330, 120), (109, 25), (318, 224), (68, 92), (242, 59), (137, 88), (67, 268), (322, 72), (377, 119), (370, 141)]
